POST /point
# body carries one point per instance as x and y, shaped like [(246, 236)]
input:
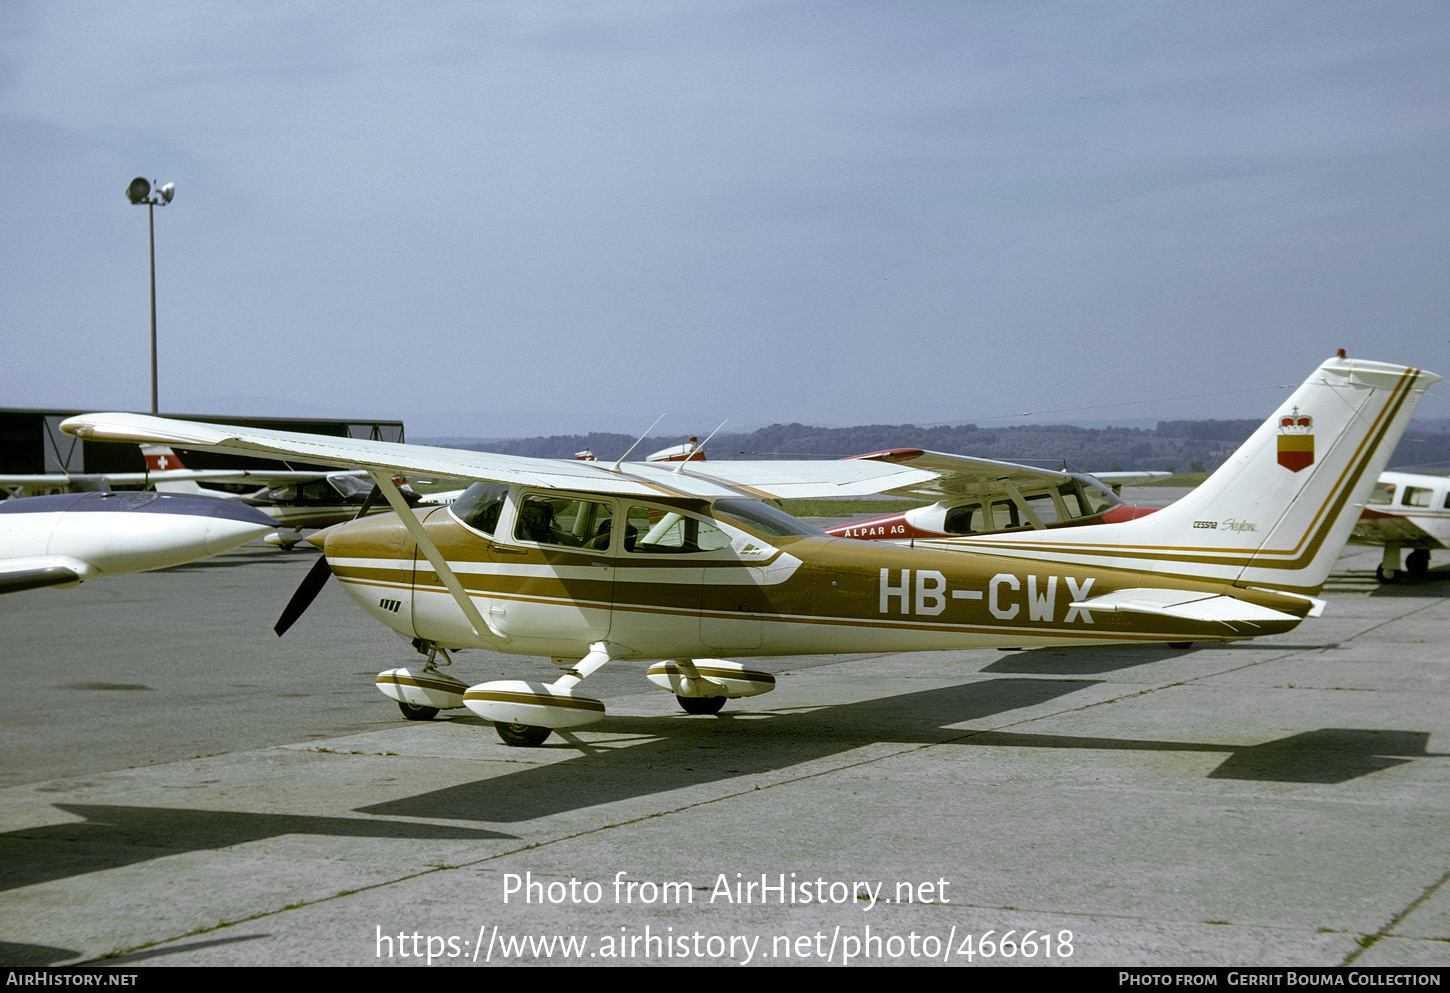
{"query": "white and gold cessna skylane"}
[(587, 562)]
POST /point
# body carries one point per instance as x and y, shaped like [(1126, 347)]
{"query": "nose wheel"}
[(415, 713), (701, 704), (521, 735)]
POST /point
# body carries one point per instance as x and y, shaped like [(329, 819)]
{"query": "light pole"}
[(140, 192)]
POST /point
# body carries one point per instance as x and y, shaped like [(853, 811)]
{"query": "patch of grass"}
[(1178, 479)]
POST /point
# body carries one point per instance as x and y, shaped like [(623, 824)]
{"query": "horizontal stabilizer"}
[(1184, 605)]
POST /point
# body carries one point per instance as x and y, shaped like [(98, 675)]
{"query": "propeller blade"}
[(307, 591), (316, 577), (373, 497)]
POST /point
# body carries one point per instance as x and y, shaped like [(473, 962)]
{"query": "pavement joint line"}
[(783, 782), (432, 870), (1365, 942), (1396, 619)]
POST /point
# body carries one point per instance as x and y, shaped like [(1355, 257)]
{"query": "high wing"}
[(34, 484), (776, 480), (1117, 480), (959, 477)]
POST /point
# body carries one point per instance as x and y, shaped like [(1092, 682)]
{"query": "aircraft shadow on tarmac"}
[(1082, 661), (688, 752), (15, 953), (115, 836)]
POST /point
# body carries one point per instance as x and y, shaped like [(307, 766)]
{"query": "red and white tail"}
[(1277, 514), (161, 459)]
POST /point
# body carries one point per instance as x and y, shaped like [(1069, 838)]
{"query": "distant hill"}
[(1186, 446)]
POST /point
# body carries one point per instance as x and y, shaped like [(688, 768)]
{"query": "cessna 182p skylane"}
[(587, 563)]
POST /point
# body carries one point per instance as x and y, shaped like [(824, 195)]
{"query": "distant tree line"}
[(1184, 446)]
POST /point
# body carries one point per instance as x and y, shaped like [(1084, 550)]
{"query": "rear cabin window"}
[(654, 530), (1043, 506), (1384, 493), (1416, 496)]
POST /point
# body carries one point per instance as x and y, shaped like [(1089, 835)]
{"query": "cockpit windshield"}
[(351, 485), (480, 505), (1098, 496)]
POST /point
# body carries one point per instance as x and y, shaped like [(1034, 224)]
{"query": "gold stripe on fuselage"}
[(864, 588)]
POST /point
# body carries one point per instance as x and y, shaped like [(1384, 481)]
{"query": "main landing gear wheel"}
[(522, 735), (1417, 563), (414, 713), (1386, 577), (701, 704)]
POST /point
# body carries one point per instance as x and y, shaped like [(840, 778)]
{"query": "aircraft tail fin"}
[(1277, 514), (160, 458)]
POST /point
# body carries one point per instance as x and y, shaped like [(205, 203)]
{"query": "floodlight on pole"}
[(139, 192)]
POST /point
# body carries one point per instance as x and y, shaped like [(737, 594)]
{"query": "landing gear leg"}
[(1388, 571)]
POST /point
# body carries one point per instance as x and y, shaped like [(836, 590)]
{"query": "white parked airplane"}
[(63, 539), (587, 562), (1405, 511), (294, 499)]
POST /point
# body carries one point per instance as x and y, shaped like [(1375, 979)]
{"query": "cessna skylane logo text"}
[(1005, 595)]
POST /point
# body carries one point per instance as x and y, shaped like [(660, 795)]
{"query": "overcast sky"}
[(502, 219)]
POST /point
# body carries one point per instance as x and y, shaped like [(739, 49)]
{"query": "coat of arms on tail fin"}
[(1296, 441), (1252, 523)]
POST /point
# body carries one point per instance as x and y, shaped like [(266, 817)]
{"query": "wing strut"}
[(389, 489), (1016, 496)]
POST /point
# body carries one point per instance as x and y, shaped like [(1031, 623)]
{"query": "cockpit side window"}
[(556, 520), (1071, 501), (1043, 506), (1416, 496)]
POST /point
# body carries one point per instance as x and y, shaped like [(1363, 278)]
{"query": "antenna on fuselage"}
[(615, 467), (698, 448)]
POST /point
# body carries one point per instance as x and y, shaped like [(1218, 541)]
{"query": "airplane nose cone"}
[(318, 539), (381, 536), (230, 524)]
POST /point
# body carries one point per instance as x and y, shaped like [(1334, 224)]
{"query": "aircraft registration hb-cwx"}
[(587, 563)]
